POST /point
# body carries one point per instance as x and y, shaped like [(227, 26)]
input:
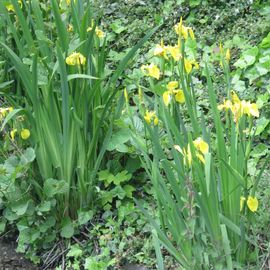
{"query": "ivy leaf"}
[(75, 251), (129, 189), (122, 177)]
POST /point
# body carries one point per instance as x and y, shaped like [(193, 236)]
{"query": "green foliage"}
[(198, 190), (81, 168), (70, 111)]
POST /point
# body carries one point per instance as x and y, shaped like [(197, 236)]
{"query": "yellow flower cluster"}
[(25, 133), (10, 7), (171, 92), (201, 149), (150, 116), (184, 31), (239, 107), (252, 203), (76, 59), (151, 70)]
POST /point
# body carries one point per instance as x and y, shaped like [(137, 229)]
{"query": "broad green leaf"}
[(118, 139), (84, 216), (53, 187), (20, 207), (262, 123), (67, 230), (28, 156)]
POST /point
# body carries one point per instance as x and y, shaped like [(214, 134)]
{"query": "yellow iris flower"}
[(189, 64), (161, 50), (98, 31), (175, 52), (179, 96), (201, 145), (10, 7), (201, 148), (252, 203), (184, 31), (150, 116), (171, 92), (151, 70), (76, 59)]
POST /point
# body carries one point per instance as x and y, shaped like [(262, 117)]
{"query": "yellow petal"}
[(188, 66), (252, 203), (180, 97), (167, 98), (227, 104), (184, 32), (254, 111), (10, 7), (151, 70), (155, 120), (172, 85), (228, 55), (13, 133), (99, 33), (201, 145), (75, 59), (200, 157), (175, 52), (25, 134), (147, 117)]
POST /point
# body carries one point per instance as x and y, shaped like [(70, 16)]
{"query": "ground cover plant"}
[(161, 160)]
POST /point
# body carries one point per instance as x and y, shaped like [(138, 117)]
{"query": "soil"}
[(10, 260)]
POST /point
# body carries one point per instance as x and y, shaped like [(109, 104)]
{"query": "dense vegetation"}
[(136, 132)]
